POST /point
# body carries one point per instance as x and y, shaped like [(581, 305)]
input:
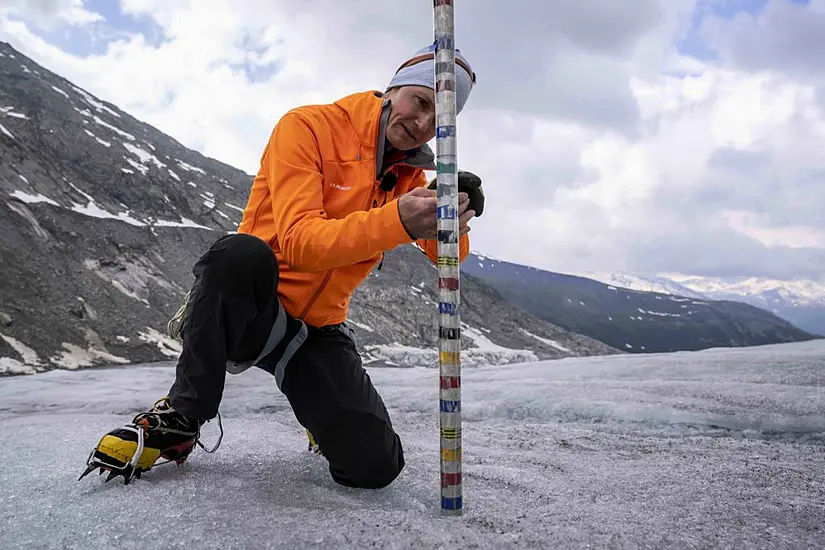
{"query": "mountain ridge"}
[(633, 320)]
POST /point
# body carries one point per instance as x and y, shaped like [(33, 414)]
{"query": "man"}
[(338, 185)]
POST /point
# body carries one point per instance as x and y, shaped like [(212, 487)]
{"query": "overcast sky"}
[(647, 136)]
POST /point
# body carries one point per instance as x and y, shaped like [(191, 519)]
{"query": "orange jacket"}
[(316, 200)]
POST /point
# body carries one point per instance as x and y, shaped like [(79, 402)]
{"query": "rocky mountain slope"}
[(635, 321), (102, 217)]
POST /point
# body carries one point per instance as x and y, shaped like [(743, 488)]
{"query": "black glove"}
[(471, 184)]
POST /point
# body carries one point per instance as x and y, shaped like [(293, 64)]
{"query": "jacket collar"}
[(368, 113)]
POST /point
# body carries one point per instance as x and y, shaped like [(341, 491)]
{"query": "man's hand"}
[(417, 210), (471, 184)]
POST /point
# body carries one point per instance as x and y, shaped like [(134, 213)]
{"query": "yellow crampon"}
[(313, 445)]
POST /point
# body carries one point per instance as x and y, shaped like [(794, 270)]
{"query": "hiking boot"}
[(135, 448)]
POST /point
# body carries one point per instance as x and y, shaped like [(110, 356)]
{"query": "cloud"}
[(785, 36), (604, 141), (50, 13)]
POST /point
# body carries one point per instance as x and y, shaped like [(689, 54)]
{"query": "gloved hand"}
[(471, 184)]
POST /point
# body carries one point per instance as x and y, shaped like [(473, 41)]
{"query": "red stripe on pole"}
[(448, 480), (450, 382), (450, 283)]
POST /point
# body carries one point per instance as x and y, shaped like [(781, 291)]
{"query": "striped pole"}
[(449, 344)]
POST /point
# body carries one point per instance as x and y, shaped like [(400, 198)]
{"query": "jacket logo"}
[(341, 187)]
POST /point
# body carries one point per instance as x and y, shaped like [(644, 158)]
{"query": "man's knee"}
[(363, 450), (236, 261)]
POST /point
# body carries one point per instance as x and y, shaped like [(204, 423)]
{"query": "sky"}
[(645, 136)]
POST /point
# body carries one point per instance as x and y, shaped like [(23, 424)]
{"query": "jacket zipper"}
[(329, 273), (257, 214), (375, 204), (316, 295)]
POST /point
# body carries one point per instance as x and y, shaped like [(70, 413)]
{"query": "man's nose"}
[(425, 122)]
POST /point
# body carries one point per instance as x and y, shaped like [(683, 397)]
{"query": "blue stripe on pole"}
[(445, 131), (446, 212), (450, 406), (444, 43), (448, 308), (448, 503)]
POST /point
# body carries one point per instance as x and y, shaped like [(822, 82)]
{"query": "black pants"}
[(232, 308)]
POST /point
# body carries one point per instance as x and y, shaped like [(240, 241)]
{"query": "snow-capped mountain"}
[(801, 302), (633, 313), (103, 216), (785, 293), (661, 285)]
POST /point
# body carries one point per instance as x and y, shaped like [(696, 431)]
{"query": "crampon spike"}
[(89, 469)]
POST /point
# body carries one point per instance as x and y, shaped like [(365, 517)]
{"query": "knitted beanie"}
[(420, 71)]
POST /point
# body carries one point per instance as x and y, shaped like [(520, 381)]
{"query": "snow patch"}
[(143, 155), (139, 167), (168, 346), (131, 276), (95, 354), (9, 111), (61, 92), (548, 341), (27, 214), (184, 222), (100, 141), (94, 102), (9, 365), (92, 210), (75, 357), (189, 167), (115, 129), (5, 131), (31, 199), (480, 340), (174, 175), (659, 313), (234, 207), (28, 355), (407, 356)]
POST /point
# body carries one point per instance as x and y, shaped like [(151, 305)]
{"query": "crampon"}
[(136, 447)]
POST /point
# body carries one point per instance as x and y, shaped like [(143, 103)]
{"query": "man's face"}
[(412, 119)]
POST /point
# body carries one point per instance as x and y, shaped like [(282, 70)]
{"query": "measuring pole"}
[(449, 329)]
